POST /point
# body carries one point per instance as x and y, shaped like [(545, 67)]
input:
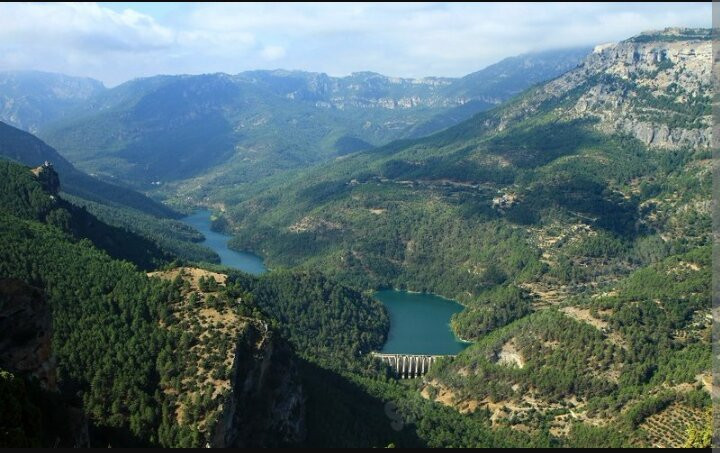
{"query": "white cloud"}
[(115, 43), (273, 52), (81, 26)]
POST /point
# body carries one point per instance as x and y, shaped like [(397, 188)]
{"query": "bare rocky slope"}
[(655, 87)]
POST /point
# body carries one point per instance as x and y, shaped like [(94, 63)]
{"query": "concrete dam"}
[(408, 366)]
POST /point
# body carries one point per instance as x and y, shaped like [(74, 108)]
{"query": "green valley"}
[(553, 210), (222, 130), (219, 259)]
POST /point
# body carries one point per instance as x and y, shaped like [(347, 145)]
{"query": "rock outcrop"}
[(660, 77), (25, 349), (655, 87), (25, 332), (266, 406), (238, 384), (48, 178)]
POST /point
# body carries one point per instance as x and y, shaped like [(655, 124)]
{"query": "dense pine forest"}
[(569, 215)]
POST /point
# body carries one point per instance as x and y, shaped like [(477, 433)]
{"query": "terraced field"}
[(668, 428)]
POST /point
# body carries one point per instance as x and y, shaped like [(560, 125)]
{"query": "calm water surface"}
[(246, 262), (420, 323)]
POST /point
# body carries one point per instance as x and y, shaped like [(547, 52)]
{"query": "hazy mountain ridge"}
[(257, 123), (510, 136), (31, 99), (25, 148)]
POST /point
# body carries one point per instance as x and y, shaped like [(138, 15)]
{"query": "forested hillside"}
[(115, 205), (565, 205), (478, 193), (125, 344), (203, 134), (155, 361), (27, 149), (34, 195)]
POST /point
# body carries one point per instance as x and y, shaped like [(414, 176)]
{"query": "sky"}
[(118, 41)]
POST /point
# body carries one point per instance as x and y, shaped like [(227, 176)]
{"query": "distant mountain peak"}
[(276, 119)]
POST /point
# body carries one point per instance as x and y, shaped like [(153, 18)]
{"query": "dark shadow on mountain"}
[(589, 200), (342, 414), (537, 145), (182, 150)]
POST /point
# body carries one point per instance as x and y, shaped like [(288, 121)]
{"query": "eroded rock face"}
[(25, 332), (655, 87), (651, 71), (266, 407), (25, 347)]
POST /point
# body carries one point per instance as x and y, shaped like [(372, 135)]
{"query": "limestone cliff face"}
[(676, 70), (655, 87), (25, 348), (25, 332), (266, 405)]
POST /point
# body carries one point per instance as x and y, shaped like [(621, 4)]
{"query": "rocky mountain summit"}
[(654, 87)]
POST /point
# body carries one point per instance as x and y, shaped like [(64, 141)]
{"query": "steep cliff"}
[(231, 379), (266, 405), (25, 324), (654, 87), (32, 413)]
